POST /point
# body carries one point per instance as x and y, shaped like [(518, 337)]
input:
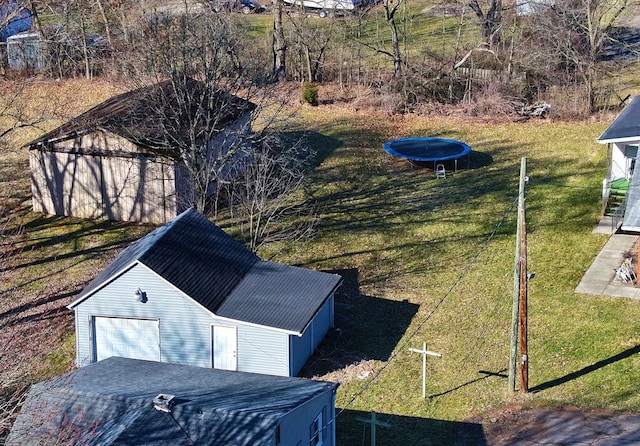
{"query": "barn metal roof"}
[(223, 276), (135, 116), (111, 402), (626, 126)]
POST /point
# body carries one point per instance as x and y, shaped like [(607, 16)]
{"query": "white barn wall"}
[(55, 189), (269, 351), (185, 327)]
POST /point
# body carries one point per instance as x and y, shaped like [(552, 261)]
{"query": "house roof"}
[(144, 115), (626, 126), (223, 276), (111, 402)]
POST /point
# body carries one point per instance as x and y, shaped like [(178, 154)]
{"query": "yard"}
[(424, 260)]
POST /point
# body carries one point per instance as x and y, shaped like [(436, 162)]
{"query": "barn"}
[(188, 293), (114, 162)]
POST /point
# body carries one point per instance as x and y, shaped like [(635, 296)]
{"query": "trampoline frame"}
[(466, 150)]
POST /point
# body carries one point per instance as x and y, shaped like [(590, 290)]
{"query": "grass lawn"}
[(424, 260), (445, 248)]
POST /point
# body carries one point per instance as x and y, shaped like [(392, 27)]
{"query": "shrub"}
[(310, 93)]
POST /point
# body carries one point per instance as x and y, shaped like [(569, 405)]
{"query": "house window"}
[(630, 155), (315, 431)]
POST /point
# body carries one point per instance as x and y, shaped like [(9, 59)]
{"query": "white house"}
[(621, 185)]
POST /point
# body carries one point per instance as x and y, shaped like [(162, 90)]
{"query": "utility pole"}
[(524, 285), (518, 273)]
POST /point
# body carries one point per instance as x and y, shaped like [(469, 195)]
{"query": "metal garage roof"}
[(222, 275)]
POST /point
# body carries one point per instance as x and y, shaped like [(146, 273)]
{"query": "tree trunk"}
[(490, 23), (395, 41), (279, 42)]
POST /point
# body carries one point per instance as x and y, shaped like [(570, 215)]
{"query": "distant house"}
[(188, 293), (14, 18), (130, 402), (112, 161), (621, 186)]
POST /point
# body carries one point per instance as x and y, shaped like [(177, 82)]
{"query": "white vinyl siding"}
[(185, 327), (296, 427), (269, 351)]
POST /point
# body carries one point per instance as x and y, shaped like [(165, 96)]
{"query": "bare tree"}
[(490, 20), (268, 197), (571, 36), (200, 79), (12, 241), (312, 40), (390, 9), (12, 393), (279, 42), (195, 61)]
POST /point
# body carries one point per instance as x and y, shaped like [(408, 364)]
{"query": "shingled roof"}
[(111, 402), (135, 115), (626, 126), (223, 276)]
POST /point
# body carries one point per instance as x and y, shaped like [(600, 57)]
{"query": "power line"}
[(432, 312)]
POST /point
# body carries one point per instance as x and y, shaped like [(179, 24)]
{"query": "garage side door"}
[(128, 338)]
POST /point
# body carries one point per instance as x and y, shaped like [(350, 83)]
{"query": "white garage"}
[(217, 304), (125, 337)]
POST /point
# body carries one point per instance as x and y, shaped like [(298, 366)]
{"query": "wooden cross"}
[(424, 352), (373, 422)]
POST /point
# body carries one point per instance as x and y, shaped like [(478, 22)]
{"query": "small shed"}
[(111, 162), (621, 186), (138, 403), (188, 293)]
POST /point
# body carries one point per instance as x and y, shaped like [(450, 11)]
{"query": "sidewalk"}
[(600, 277)]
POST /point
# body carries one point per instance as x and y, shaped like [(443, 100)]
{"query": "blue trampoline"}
[(424, 149)]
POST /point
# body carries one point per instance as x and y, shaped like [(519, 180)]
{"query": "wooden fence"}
[(482, 75)]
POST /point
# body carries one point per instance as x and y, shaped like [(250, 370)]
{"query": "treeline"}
[(490, 56)]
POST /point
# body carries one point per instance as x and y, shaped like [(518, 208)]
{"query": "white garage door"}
[(128, 338)]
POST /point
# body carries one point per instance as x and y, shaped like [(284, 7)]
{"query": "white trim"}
[(106, 282), (315, 436), (626, 139), (236, 321)]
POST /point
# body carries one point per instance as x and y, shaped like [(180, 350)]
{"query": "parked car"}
[(243, 6)]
